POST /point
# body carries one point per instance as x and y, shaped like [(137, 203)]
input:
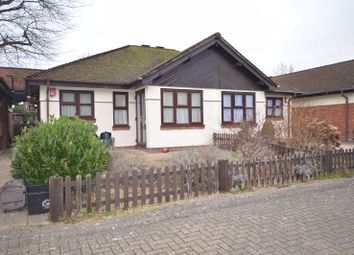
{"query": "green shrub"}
[(268, 131), (61, 147)]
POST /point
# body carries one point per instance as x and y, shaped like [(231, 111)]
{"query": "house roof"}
[(15, 77), (119, 66), (215, 39), (129, 64), (324, 79)]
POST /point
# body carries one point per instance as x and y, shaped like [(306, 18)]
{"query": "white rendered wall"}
[(157, 137), (323, 100), (103, 100)]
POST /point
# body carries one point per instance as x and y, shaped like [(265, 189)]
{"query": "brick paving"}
[(5, 163), (315, 218)]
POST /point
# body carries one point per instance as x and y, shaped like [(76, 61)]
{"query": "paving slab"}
[(311, 218)]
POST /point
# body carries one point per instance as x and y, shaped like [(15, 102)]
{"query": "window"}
[(274, 107), (181, 107), (77, 103), (120, 109), (238, 107)]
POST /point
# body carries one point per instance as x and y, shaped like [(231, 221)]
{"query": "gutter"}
[(328, 92), (346, 121)]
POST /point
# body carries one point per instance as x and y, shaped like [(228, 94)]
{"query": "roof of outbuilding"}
[(119, 66), (18, 75), (329, 78)]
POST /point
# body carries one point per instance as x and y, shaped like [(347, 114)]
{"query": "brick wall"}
[(335, 115)]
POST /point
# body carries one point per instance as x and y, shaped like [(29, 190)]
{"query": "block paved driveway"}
[(315, 218)]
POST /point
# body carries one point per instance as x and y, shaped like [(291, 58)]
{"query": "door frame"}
[(140, 127)]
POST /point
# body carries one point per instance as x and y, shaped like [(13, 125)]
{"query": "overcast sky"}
[(304, 33)]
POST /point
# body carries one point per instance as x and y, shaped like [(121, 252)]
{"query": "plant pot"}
[(37, 199)]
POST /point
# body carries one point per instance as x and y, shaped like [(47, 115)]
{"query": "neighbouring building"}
[(12, 92), (327, 92)]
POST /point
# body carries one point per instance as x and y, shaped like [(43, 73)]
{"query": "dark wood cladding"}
[(212, 68)]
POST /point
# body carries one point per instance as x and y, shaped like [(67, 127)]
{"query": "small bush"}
[(268, 130), (308, 130), (61, 147)]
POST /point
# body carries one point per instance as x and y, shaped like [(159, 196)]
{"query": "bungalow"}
[(327, 92), (157, 97)]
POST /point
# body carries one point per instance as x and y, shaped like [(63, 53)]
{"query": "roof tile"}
[(334, 77), (120, 66)]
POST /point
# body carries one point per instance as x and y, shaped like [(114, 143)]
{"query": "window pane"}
[(120, 117), (196, 115), (167, 115), (269, 102), (182, 98), (269, 111), (68, 110), (227, 115), (121, 100), (249, 101), (238, 100), (167, 98), (249, 115), (277, 112), (85, 110), (238, 115), (278, 102), (182, 116), (196, 99), (85, 98), (227, 100), (68, 97)]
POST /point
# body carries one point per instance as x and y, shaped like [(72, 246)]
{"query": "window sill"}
[(177, 127), (90, 120), (123, 127), (237, 125), (275, 118)]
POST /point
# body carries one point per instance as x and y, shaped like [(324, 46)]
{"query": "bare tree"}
[(30, 29), (283, 69)]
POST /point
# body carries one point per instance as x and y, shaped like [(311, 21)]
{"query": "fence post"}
[(328, 161), (223, 174), (56, 198)]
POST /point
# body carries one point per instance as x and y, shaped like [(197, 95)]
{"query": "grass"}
[(343, 173)]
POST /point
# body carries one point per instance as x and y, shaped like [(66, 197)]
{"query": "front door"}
[(140, 118)]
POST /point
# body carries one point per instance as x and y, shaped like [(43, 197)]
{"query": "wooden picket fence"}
[(280, 170), (228, 141), (128, 190), (133, 189), (225, 141)]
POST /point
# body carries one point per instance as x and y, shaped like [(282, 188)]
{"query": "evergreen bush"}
[(61, 147)]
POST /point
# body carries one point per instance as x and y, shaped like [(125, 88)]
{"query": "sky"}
[(303, 33)]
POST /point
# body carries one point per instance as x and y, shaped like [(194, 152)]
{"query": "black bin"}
[(37, 199), (106, 137)]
